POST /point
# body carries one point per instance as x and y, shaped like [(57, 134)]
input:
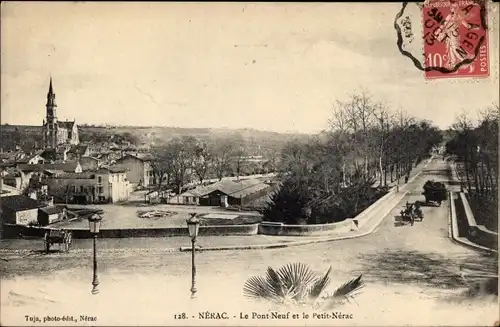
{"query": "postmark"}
[(445, 38)]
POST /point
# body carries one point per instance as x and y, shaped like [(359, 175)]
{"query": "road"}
[(412, 275)]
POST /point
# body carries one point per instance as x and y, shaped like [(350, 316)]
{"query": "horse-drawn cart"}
[(435, 192), (57, 236), (411, 212)]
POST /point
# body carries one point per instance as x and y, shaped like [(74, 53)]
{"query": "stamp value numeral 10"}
[(435, 59)]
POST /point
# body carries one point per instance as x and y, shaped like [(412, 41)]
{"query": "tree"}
[(173, 160), (202, 160), (476, 146), (238, 154), (287, 203), (270, 164), (330, 177), (183, 152), (162, 163), (382, 117), (221, 150)]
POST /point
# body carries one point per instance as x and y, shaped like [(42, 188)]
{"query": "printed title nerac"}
[(275, 315)]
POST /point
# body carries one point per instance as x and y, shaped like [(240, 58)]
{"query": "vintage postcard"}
[(249, 164)]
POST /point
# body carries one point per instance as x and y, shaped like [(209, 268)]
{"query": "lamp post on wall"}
[(94, 225), (193, 228)]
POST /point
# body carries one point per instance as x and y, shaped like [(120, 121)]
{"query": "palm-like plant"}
[(296, 284)]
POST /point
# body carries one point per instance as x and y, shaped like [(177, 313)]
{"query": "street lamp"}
[(193, 228), (94, 225)]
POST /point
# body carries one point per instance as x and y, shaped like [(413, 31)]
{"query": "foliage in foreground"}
[(296, 285)]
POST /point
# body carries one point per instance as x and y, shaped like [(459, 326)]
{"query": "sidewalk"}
[(213, 243)]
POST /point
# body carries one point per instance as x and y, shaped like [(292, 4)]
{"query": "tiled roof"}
[(19, 203), (54, 172), (140, 156), (112, 169), (31, 156), (67, 167), (82, 175), (249, 190), (12, 156), (232, 188)]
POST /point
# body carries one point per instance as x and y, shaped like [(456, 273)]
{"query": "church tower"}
[(50, 123)]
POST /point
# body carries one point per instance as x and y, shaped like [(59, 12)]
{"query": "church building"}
[(57, 133)]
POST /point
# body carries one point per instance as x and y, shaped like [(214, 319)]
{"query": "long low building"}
[(227, 192)]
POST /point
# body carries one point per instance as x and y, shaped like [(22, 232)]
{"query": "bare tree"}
[(221, 150), (162, 163), (238, 153), (381, 114), (181, 151), (338, 123), (202, 160), (363, 114)]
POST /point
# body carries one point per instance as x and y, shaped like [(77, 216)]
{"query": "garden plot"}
[(156, 214)]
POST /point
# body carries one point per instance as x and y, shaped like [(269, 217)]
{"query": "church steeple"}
[(51, 91), (50, 124), (51, 102)]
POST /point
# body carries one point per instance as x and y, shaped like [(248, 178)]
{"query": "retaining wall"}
[(476, 233), (271, 228), (13, 231)]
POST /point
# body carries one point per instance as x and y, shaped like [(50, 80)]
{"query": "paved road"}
[(412, 274)]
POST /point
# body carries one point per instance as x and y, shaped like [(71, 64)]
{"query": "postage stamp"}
[(455, 39), (445, 38)]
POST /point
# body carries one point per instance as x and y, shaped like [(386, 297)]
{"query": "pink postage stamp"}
[(455, 39), (445, 38)]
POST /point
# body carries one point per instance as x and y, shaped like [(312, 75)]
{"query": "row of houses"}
[(61, 154), (77, 175)]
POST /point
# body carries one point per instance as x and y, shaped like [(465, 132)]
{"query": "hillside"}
[(29, 136)]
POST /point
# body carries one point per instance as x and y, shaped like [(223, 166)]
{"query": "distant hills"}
[(31, 136)]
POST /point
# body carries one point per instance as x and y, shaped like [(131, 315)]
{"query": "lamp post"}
[(193, 228), (94, 225)]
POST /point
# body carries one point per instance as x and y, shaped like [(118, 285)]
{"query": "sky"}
[(269, 66)]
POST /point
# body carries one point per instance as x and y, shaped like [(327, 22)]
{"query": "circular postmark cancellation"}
[(445, 38)]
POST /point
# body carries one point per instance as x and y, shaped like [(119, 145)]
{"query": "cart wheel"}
[(46, 242)]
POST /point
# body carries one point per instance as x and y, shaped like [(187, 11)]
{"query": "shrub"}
[(287, 204), (295, 284), (295, 204)]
